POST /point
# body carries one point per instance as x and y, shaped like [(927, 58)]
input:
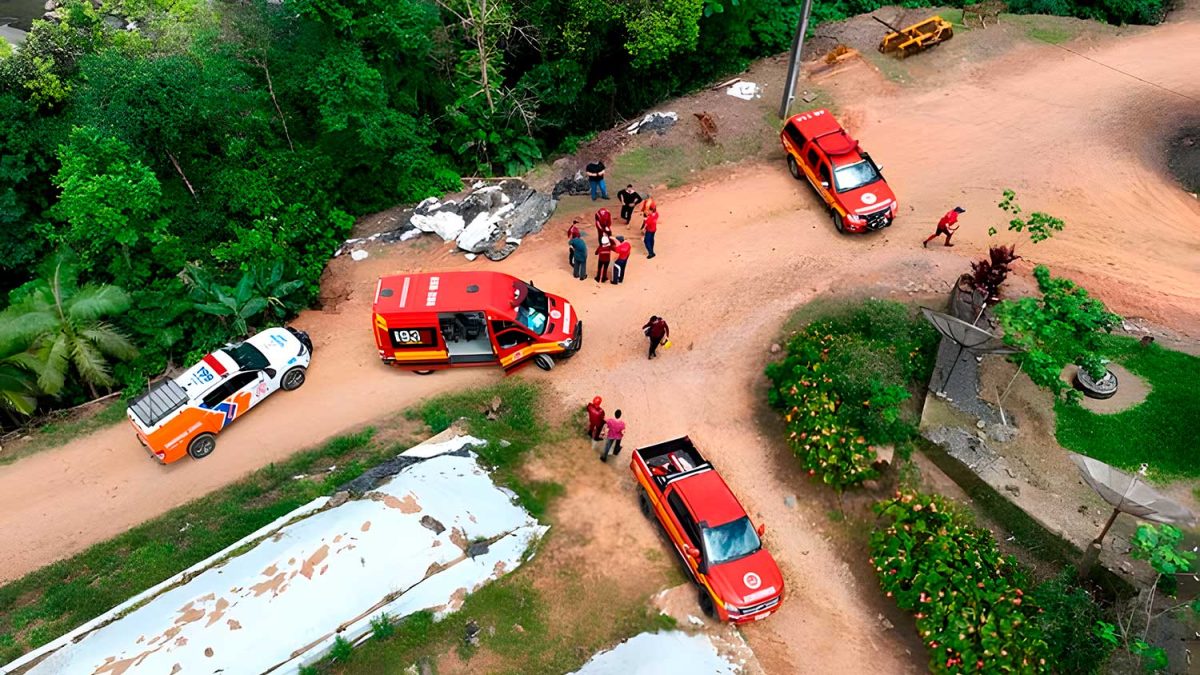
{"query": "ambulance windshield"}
[(247, 356), (533, 310)]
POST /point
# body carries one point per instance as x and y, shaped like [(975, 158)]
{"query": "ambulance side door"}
[(512, 342)]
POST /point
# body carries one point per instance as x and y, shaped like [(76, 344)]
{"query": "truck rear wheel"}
[(423, 372), (544, 361), (794, 168), (644, 504), (202, 446)]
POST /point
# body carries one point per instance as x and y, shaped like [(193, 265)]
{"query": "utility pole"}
[(789, 89)]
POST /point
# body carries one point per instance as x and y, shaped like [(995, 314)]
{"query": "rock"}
[(1002, 433), (338, 499), (775, 348), (790, 501), (470, 257), (50, 5), (113, 21), (1013, 488), (433, 524), (980, 424), (412, 670), (573, 185), (504, 443), (518, 628), (655, 121), (358, 254), (498, 254), (887, 625), (471, 634), (445, 224), (528, 216), (495, 403)]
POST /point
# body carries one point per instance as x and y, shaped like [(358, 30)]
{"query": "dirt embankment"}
[(736, 254)]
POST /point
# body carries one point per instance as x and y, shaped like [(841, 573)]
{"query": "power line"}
[(1122, 72)]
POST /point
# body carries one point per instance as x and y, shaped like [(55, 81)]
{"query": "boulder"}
[(529, 215), (571, 185)]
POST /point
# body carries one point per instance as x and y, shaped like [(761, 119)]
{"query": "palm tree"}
[(63, 322), (18, 369)]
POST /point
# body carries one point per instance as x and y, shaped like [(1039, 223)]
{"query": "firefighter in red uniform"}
[(595, 419), (603, 224), (605, 253), (948, 225)]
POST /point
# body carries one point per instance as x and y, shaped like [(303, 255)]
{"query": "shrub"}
[(341, 650), (843, 382), (967, 597), (382, 627), (1068, 614)]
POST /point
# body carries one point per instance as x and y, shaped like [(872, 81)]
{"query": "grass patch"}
[(51, 601), (1158, 431), (57, 433), (1051, 34), (650, 166)]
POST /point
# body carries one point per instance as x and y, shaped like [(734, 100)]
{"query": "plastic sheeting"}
[(656, 653), (400, 548)]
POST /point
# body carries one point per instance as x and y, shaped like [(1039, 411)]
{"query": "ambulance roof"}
[(490, 292)]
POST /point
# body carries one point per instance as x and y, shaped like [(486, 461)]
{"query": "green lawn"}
[(1160, 431)]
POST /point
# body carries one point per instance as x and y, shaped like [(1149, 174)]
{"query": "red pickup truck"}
[(842, 173), (737, 579)]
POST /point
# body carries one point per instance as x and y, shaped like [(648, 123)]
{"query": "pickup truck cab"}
[(737, 579), (843, 174), (435, 320), (182, 416)]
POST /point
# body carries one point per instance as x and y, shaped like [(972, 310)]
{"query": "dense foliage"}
[(1068, 616), (1063, 326), (968, 598), (842, 384)]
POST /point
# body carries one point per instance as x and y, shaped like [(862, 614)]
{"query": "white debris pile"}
[(321, 572), (656, 121), (445, 224), (666, 652), (746, 91)]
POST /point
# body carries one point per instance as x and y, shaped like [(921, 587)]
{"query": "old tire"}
[(838, 223), (202, 446), (706, 603), (794, 168), (544, 361), (644, 505), (423, 372), (293, 379), (1104, 388)]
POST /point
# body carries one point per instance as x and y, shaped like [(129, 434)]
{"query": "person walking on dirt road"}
[(595, 176), (605, 256), (603, 224), (595, 419), (948, 225), (622, 249), (650, 228), (657, 330), (629, 198), (578, 255), (615, 432)]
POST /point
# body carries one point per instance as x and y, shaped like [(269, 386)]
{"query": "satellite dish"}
[(967, 336)]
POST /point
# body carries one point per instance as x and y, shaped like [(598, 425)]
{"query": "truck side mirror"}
[(879, 168), (762, 529)]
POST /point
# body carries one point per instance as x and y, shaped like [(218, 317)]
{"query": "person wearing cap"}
[(948, 225), (650, 228), (622, 249), (629, 198), (578, 255), (604, 254), (603, 224), (595, 419)]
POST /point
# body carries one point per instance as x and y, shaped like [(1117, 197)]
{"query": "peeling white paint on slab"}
[(655, 653), (279, 605)]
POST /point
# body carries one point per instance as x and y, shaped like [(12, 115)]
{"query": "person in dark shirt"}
[(595, 174), (578, 257), (629, 199), (656, 329), (605, 257)]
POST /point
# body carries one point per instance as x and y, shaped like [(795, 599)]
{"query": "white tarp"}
[(666, 652), (445, 224), (399, 549), (745, 90)]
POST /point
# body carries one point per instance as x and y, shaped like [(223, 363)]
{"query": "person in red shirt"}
[(948, 225), (603, 224), (605, 256), (656, 329), (595, 419), (650, 227), (622, 249)]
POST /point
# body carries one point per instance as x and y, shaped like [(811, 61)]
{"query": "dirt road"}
[(1074, 138)]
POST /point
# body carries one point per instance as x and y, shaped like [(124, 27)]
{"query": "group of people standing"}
[(612, 251)]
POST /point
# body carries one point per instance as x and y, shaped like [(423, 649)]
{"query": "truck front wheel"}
[(794, 168), (838, 222), (544, 361), (706, 603)]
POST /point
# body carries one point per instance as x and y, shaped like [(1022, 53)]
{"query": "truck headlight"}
[(732, 609), (567, 344)]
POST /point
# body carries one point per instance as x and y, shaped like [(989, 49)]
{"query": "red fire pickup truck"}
[(842, 173), (737, 579)]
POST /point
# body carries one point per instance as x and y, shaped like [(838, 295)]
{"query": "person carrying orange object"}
[(603, 224), (948, 225), (595, 419), (657, 330)]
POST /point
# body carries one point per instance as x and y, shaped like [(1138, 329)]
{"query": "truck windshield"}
[(733, 540), (854, 176), (247, 356), (534, 310)]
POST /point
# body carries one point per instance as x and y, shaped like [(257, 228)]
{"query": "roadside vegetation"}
[(1156, 431), (844, 383), (51, 601)]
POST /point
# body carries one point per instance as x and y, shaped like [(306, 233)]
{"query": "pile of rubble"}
[(490, 220)]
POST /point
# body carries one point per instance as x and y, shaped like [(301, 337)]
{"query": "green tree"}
[(18, 367), (63, 322), (260, 291), (1058, 328)]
